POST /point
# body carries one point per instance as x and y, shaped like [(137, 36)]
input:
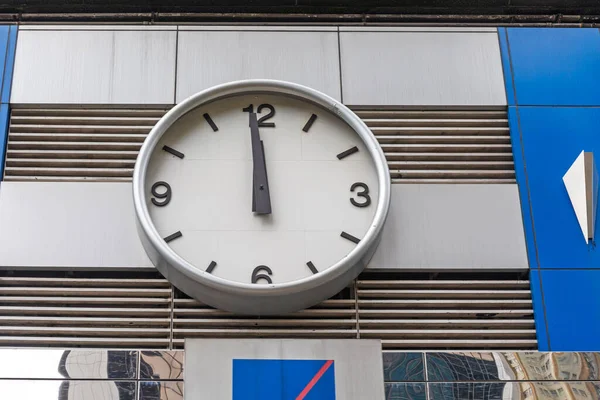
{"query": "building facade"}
[(487, 260)]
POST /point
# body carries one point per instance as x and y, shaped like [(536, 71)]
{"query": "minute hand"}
[(261, 200)]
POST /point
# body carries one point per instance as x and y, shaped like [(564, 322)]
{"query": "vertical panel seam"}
[(356, 313), (339, 42), (426, 372), (171, 317), (176, 57), (528, 189)]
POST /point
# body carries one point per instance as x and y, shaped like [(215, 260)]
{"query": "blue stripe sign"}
[(283, 379)]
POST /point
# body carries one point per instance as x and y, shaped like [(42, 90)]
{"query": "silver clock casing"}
[(246, 298)]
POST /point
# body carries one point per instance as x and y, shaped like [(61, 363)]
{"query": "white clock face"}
[(275, 202)]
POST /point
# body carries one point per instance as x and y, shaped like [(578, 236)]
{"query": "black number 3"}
[(256, 276), (166, 195), (364, 194)]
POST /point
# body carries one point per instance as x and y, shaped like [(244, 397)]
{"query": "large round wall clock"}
[(260, 196)]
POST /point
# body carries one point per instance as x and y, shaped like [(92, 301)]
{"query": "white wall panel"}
[(430, 226), (448, 226), (94, 67), (68, 225), (421, 68), (208, 58)]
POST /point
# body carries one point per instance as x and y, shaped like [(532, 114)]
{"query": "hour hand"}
[(261, 200)]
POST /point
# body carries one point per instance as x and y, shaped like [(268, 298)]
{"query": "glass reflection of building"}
[(90, 373), (156, 365), (452, 367), (549, 376), (548, 368)]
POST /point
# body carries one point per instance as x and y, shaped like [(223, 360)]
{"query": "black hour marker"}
[(350, 237), (210, 122), (346, 153), (309, 123), (173, 151), (173, 236), (310, 265), (211, 266)]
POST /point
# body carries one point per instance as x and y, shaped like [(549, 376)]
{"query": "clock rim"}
[(164, 257)]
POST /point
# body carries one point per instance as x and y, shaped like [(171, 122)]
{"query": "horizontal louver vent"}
[(444, 146), (76, 144), (435, 146), (150, 313)]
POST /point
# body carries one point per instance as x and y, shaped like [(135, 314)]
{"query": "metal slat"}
[(454, 180), (451, 165), (466, 344), (72, 154), (430, 114), (84, 300), (441, 140), (422, 146), (93, 282), (90, 146), (265, 333), (448, 157), (451, 174), (89, 112), (445, 284), (85, 291), (448, 333), (446, 323), (120, 342), (59, 310), (70, 172), (79, 137), (53, 163), (80, 129), (440, 304), (443, 294), (82, 321), (440, 132), (83, 120), (436, 122)]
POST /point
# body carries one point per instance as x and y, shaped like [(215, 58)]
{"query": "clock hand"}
[(261, 200)]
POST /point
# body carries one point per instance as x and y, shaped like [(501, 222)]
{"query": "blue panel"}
[(9, 64), (552, 140), (283, 380), (539, 313), (4, 47), (506, 66), (4, 120), (515, 138), (573, 309), (555, 66)]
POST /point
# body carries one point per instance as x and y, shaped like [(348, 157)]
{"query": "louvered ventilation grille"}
[(76, 144), (444, 146), (102, 144), (150, 313)]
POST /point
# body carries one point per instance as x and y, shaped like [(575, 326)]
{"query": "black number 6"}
[(166, 195), (256, 276), (364, 194)]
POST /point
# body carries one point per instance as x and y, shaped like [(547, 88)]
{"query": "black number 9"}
[(166, 195), (364, 194), (256, 276)]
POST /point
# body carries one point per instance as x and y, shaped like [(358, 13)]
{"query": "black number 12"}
[(261, 120)]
